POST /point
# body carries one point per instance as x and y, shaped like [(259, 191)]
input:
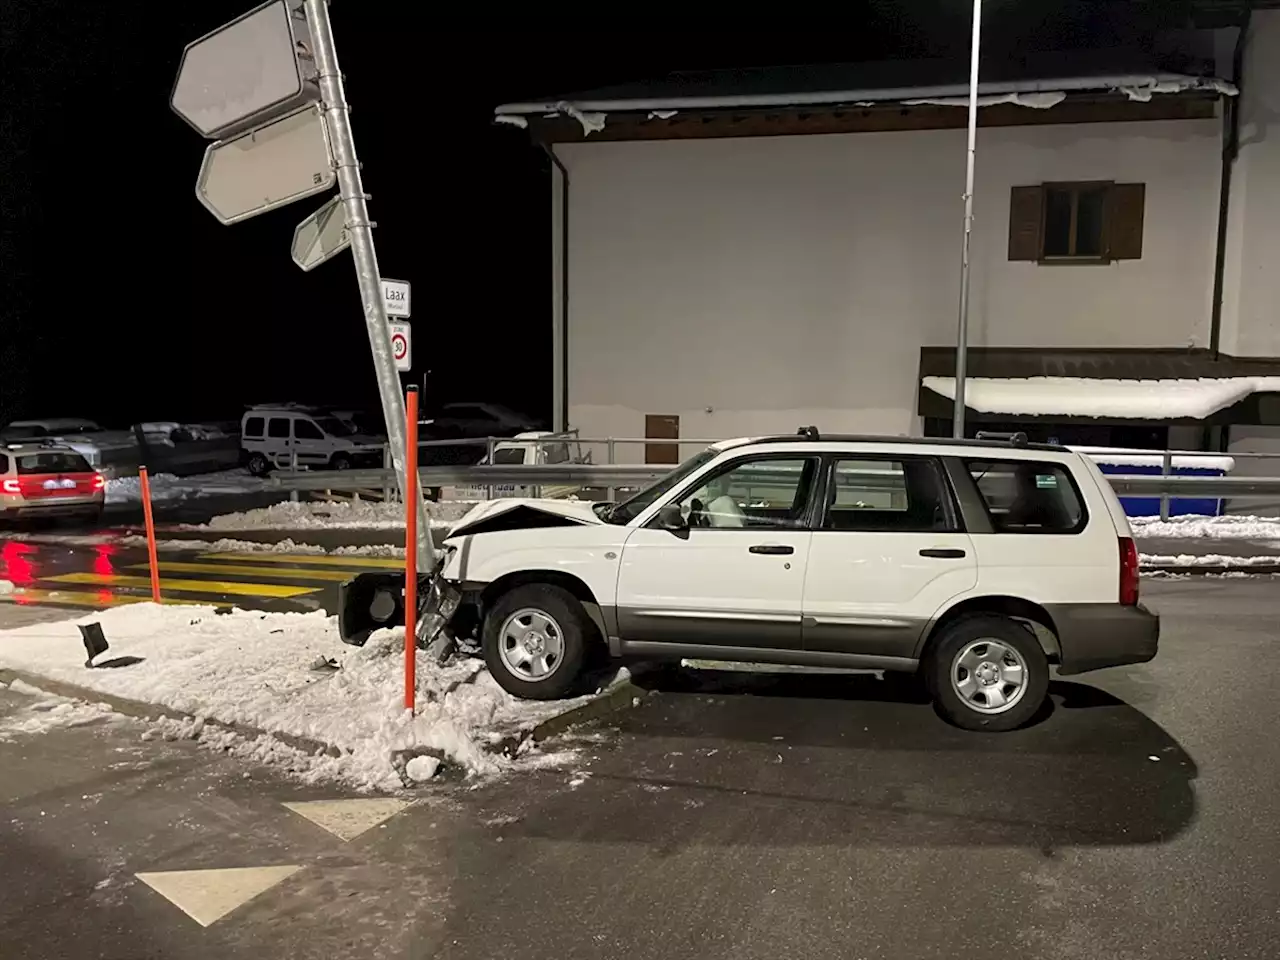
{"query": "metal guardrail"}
[(604, 476)]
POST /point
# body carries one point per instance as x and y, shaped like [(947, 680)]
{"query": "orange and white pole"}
[(152, 559), (411, 549)]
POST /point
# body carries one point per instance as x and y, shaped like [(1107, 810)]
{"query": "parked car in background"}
[(538, 447), (184, 449), (476, 420), (101, 448), (281, 436), (48, 479)]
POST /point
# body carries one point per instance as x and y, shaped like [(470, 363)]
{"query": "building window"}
[(1091, 222)]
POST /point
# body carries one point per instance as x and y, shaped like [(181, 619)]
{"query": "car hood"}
[(517, 513)]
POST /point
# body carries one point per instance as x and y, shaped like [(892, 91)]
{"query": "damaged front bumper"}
[(375, 601)]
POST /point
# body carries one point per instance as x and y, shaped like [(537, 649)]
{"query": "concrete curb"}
[(141, 710), (615, 698)]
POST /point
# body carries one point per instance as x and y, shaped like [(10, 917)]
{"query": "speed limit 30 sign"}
[(401, 345)]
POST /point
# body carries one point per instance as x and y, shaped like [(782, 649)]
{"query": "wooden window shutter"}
[(1026, 213), (1125, 204)]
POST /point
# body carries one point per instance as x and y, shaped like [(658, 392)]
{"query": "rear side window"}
[(4, 463), (253, 426), (902, 496), (56, 462), (1027, 496), (278, 427)]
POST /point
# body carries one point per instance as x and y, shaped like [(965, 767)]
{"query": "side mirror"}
[(670, 518)]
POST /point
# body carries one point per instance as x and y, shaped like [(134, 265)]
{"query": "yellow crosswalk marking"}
[(228, 587), (99, 600), (310, 559), (249, 570)]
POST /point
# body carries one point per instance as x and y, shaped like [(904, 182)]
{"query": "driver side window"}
[(758, 494)]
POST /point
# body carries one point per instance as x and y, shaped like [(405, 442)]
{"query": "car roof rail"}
[(1016, 438), (809, 433)]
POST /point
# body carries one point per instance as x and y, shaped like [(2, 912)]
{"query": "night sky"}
[(124, 299)]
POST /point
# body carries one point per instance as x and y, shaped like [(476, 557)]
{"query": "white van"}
[(280, 437)]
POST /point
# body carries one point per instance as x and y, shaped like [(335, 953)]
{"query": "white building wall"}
[(1251, 288), (754, 285)]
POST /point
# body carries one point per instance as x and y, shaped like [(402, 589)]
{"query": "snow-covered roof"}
[(590, 110), (1088, 397)]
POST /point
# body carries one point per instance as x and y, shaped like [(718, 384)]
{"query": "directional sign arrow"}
[(322, 236), (268, 167), (256, 67)]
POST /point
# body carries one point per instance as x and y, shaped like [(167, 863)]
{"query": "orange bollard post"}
[(152, 560), (411, 549)]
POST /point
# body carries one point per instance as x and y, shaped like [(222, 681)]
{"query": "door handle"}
[(773, 549), (943, 553)]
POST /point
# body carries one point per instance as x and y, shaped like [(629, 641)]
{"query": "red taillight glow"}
[(1128, 572), (11, 486), (99, 481)]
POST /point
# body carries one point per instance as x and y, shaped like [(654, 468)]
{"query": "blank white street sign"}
[(258, 66), (321, 236), (396, 295), (273, 165), (401, 346)]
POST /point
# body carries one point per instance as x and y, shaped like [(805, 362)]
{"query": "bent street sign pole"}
[(360, 228)]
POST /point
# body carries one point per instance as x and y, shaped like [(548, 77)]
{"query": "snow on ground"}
[(46, 712), (166, 486), (267, 671), (1190, 526), (1205, 560), (361, 514), (225, 545)]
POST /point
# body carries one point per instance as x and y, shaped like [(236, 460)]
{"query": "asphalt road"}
[(728, 815)]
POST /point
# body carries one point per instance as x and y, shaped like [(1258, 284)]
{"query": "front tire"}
[(987, 672), (535, 641), (340, 461)]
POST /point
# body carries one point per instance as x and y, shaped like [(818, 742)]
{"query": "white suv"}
[(975, 564)]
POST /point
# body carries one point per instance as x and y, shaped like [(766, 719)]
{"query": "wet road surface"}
[(728, 815)]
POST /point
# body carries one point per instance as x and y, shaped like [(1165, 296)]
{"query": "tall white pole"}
[(337, 115), (962, 331)]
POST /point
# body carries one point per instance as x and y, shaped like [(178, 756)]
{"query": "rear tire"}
[(535, 640), (987, 672), (340, 461), (258, 465)]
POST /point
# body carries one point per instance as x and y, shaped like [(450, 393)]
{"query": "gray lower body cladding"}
[(1098, 635)]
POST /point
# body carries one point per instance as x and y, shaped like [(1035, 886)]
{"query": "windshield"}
[(628, 510)]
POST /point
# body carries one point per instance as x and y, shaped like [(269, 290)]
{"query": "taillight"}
[(11, 486), (99, 481), (1128, 572)]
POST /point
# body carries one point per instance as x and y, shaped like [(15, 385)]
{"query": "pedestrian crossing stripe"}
[(309, 559), (280, 573), (224, 587), (94, 600)]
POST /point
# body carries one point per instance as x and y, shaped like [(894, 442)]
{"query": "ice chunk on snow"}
[(421, 769), (6, 587)]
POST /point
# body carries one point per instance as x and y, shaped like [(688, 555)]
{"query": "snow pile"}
[(225, 545), (1204, 560), (1125, 457), (267, 671), (47, 712), (357, 515), (165, 486), (6, 587), (1222, 528)]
